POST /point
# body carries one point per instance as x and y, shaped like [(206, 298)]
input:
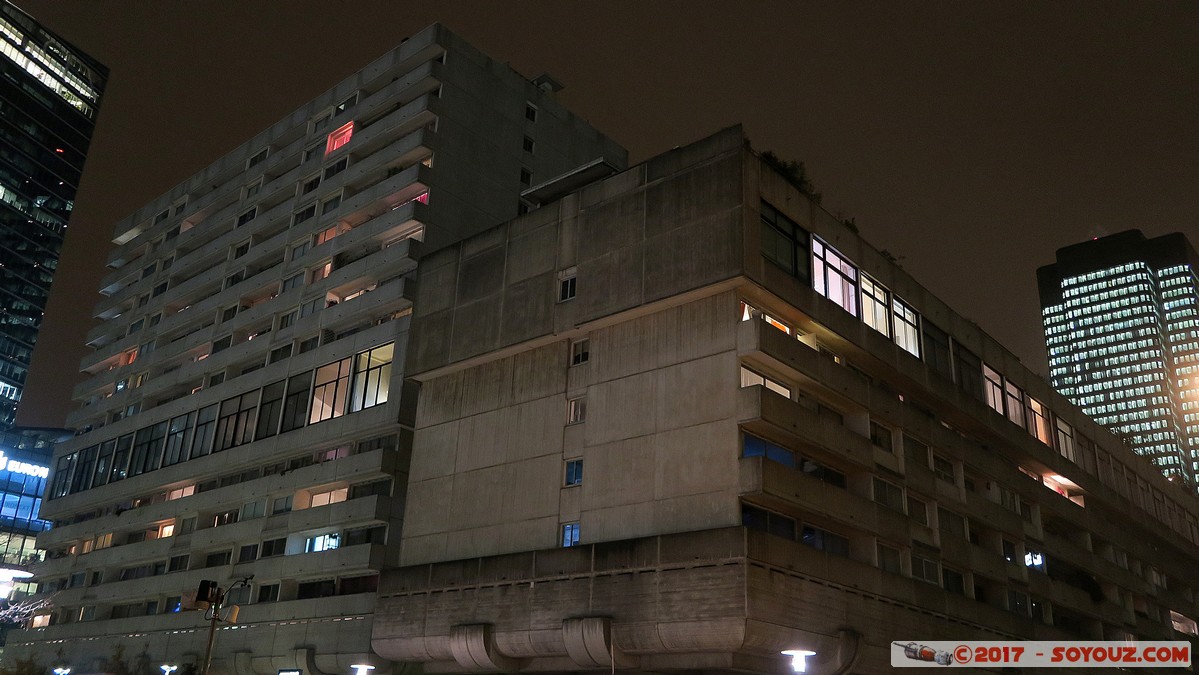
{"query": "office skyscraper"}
[(1122, 332), (49, 96), (241, 413)]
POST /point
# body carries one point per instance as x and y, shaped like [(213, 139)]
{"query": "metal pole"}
[(216, 613)]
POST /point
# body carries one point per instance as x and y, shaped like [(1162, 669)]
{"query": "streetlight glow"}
[(799, 659), (167, 668), (362, 668)]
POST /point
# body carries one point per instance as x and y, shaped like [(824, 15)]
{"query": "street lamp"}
[(168, 668), (62, 671), (799, 659), (362, 668)]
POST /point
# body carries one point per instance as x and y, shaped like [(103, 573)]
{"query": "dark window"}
[(969, 372), (247, 553), (566, 288), (784, 243), (303, 214), (295, 405), (147, 449), (269, 410), (235, 426), (217, 559), (268, 593), (526, 176), (120, 458), (83, 472), (316, 589), (273, 547), (580, 351), (202, 440), (364, 584), (177, 438), (104, 463), (530, 112), (762, 520), (824, 540), (336, 168), (247, 216), (529, 144), (574, 472), (178, 563), (936, 349)]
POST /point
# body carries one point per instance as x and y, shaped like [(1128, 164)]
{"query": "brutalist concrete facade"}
[(243, 411), (684, 419)]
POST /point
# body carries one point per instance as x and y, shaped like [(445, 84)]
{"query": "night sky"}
[(970, 140)]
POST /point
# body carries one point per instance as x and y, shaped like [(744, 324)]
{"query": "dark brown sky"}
[(969, 139)]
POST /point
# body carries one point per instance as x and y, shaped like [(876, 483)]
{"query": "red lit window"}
[(423, 198), (339, 137)]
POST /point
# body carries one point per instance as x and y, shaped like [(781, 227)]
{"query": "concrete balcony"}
[(356, 468), (765, 413)]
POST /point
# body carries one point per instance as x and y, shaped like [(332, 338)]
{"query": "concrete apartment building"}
[(1121, 320), (242, 409), (684, 419)]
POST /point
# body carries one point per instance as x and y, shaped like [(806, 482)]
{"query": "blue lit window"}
[(570, 534)]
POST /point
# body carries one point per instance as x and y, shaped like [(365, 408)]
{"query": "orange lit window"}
[(339, 137)]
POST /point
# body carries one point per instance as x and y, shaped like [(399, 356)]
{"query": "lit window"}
[(322, 542), (993, 389), (574, 473), (834, 277), (339, 137), (570, 534), (330, 497), (750, 378), (907, 327), (876, 302)]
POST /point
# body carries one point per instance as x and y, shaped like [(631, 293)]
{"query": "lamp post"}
[(62, 671), (215, 597), (168, 668)]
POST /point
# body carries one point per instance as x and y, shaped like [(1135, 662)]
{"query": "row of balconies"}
[(227, 175), (358, 468), (386, 263), (794, 421), (408, 119), (377, 200)]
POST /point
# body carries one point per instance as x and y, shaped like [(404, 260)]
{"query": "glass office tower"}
[(49, 95), (1122, 331)]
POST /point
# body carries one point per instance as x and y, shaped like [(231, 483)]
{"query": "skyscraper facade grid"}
[(49, 96), (1122, 334)]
